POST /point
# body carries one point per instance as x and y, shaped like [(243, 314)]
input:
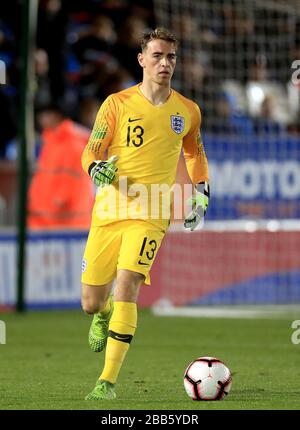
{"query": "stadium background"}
[(235, 60)]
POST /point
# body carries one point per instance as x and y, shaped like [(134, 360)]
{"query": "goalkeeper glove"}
[(103, 172), (199, 204)]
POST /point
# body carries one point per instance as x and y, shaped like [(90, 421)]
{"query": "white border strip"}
[(249, 226), (247, 312)]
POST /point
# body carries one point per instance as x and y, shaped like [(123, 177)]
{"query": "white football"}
[(207, 378)]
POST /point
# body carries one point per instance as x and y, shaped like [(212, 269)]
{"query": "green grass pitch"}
[(46, 362)]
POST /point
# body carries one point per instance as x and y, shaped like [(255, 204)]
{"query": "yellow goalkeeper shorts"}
[(128, 244)]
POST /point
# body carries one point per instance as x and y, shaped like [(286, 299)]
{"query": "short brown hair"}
[(159, 33)]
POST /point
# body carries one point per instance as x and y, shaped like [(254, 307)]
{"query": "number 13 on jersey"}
[(135, 136)]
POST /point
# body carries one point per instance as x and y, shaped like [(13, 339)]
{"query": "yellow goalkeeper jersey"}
[(147, 139)]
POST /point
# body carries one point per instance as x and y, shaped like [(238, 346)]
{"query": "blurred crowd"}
[(234, 60), (85, 50)]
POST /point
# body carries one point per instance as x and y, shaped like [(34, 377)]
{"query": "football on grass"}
[(207, 378)]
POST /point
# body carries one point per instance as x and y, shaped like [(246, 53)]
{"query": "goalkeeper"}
[(143, 129)]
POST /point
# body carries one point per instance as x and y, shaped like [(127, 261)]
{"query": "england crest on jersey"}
[(177, 123)]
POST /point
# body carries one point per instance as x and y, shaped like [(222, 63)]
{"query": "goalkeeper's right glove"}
[(103, 172)]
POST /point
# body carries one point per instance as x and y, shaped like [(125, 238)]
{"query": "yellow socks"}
[(121, 328)]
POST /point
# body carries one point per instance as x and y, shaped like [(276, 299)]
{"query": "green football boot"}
[(98, 333), (103, 390)]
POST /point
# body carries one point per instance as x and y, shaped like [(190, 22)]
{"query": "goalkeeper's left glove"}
[(199, 203)]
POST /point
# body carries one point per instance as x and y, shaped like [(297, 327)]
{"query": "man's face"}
[(158, 61)]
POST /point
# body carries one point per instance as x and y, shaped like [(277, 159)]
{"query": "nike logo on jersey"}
[(134, 119), (143, 264)]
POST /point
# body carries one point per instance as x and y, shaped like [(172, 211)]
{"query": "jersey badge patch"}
[(177, 123)]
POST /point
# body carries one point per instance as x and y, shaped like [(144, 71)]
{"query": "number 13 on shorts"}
[(147, 252), (140, 244)]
